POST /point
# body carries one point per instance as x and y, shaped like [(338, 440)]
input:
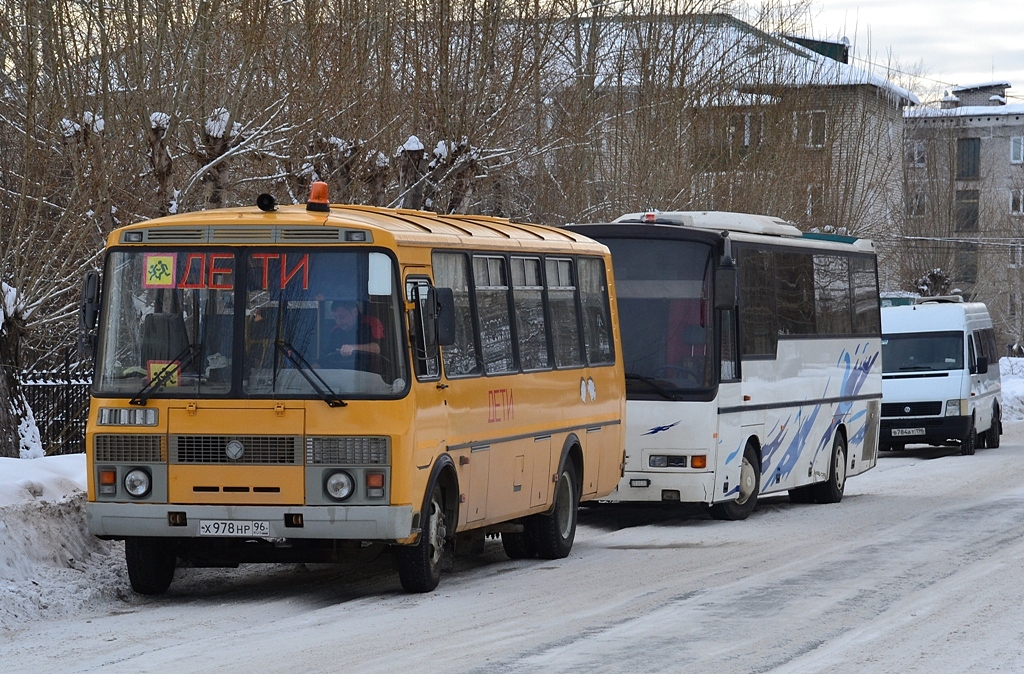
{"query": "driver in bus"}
[(354, 340)]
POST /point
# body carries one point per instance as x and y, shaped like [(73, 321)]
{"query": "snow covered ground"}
[(919, 569)]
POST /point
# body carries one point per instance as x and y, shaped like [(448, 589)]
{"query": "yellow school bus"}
[(325, 382)]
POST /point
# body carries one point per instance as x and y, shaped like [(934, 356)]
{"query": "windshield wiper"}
[(295, 357), (915, 367), (161, 378), (653, 384)]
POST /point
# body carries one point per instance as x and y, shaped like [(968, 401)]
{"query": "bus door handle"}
[(441, 387)]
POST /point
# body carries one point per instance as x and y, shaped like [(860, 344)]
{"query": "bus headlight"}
[(137, 482), (339, 485), (955, 408)]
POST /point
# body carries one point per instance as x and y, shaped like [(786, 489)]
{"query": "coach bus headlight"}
[(657, 461), (955, 408), (137, 482), (339, 485)]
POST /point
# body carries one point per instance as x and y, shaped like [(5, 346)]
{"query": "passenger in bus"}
[(355, 339)]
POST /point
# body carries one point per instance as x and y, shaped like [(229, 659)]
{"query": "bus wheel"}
[(970, 442), (151, 563), (831, 490), (750, 487), (518, 545), (803, 494), (554, 533), (419, 565)]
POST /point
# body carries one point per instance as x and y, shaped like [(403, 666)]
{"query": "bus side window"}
[(451, 270), (424, 359)]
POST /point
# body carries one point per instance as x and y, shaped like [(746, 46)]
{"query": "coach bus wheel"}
[(518, 544), (150, 563), (803, 494), (750, 487), (831, 490), (419, 565), (554, 533)]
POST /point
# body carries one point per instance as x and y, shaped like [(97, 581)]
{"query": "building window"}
[(1017, 201), (916, 154), (816, 201), (1017, 150), (917, 204), (968, 158), (810, 128), (965, 216), (967, 263), (1015, 256)]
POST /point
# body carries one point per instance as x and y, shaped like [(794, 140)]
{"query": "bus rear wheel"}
[(750, 487), (831, 490), (553, 534), (151, 563), (419, 565)]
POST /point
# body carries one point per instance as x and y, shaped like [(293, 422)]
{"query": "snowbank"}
[(1012, 372)]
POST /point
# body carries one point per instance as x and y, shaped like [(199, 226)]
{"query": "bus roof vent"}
[(307, 234), (175, 234), (242, 235)]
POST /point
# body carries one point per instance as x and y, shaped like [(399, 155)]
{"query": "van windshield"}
[(923, 351)]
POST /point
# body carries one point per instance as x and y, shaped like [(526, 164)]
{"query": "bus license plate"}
[(244, 528), (907, 431)]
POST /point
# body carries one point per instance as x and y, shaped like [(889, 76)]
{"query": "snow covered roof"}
[(967, 111), (750, 59), (984, 85)]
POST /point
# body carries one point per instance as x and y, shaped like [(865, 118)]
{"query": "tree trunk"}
[(12, 401)]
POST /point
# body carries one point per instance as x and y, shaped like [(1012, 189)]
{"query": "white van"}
[(940, 375)]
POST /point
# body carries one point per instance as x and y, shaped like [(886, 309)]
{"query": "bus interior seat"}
[(163, 337)]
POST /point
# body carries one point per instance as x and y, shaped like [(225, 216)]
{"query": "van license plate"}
[(899, 432), (244, 528)]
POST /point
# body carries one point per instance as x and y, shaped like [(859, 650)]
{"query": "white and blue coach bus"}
[(752, 355)]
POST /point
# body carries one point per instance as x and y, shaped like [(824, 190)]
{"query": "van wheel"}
[(750, 487), (831, 490), (151, 563), (995, 430), (553, 534), (419, 565), (970, 443)]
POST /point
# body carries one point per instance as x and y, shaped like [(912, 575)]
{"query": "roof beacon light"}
[(650, 217), (318, 200)]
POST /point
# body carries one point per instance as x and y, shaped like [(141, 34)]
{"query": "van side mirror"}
[(725, 287), (982, 366)]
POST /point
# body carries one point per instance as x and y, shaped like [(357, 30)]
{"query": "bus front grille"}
[(255, 449), (125, 448)]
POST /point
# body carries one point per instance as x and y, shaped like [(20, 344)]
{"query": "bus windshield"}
[(295, 323), (923, 351), (665, 315)]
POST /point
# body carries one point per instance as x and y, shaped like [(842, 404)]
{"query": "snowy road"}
[(919, 569)]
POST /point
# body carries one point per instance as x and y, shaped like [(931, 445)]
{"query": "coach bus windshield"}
[(665, 315), (274, 322)]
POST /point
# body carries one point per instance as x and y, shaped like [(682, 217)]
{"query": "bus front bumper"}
[(340, 522), (656, 487)]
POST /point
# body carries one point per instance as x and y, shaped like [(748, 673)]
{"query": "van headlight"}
[(956, 408)]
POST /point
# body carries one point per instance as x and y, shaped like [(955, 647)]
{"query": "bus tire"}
[(151, 563), (750, 487), (553, 533), (970, 442), (804, 494), (831, 490), (995, 430), (518, 544), (419, 565)]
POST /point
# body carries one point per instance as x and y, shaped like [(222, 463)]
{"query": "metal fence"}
[(60, 405)]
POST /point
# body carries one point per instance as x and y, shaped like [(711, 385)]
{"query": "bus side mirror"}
[(88, 311), (725, 287), (89, 307), (445, 316)]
